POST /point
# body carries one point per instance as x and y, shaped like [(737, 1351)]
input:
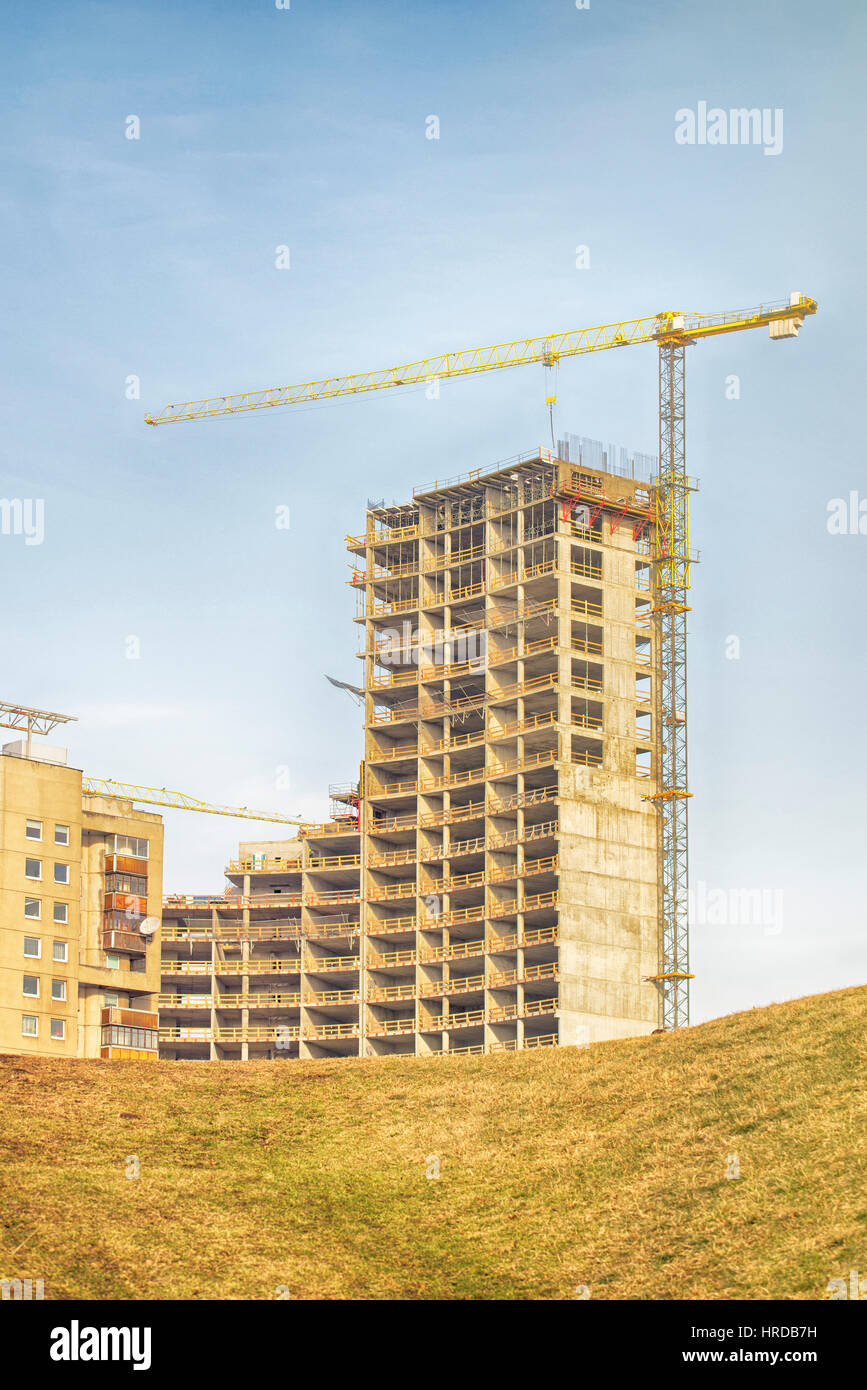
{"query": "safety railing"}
[(185, 1001), (329, 964), (288, 930), (534, 936), (290, 1000), (534, 903), (522, 651), (256, 967), (530, 867), (587, 721), (391, 926), (386, 959), (454, 918), (389, 1027), (334, 861), (309, 831), (390, 891), (459, 950), (259, 1032), (584, 570), (586, 757), (384, 536), (530, 456), (534, 1007), (401, 752), (384, 994), (470, 1018), (185, 967), (264, 864), (321, 998), (326, 1032), (464, 984), (236, 904)]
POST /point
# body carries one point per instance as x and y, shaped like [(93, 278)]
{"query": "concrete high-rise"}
[(491, 883)]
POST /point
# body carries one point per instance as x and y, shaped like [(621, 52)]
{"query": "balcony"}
[(129, 1033), (128, 942)]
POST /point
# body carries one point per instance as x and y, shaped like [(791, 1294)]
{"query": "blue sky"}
[(306, 127)]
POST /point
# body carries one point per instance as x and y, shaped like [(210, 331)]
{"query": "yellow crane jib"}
[(784, 318), (160, 796)]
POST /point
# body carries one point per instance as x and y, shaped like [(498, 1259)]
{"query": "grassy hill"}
[(602, 1167)]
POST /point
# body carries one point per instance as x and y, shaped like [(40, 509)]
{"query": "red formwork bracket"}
[(616, 520)]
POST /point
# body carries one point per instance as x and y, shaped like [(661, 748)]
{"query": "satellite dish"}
[(149, 925)]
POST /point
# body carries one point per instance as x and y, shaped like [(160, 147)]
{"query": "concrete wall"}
[(51, 795)]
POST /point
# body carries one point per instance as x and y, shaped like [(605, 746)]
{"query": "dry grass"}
[(603, 1166)]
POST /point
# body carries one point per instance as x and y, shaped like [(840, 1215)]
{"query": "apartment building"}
[(491, 883), (80, 905)]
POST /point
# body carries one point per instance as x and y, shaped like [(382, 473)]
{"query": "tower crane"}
[(672, 332)]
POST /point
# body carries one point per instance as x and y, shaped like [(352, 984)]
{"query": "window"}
[(60, 951), (58, 991), (61, 912), (126, 883), (33, 830), (112, 999), (32, 947), (33, 868), (32, 907), (29, 1025), (112, 962), (58, 1029), (61, 873), (127, 844), (145, 1039), (31, 986), (61, 834)]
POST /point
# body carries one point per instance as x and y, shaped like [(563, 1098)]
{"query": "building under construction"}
[(493, 880), (522, 853)]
